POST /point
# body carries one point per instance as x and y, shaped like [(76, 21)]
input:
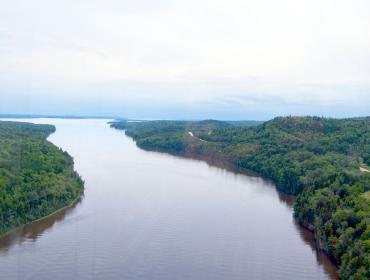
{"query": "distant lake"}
[(147, 215)]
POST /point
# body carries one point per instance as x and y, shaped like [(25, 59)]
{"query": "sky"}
[(193, 59)]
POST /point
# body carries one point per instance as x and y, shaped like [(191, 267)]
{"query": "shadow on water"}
[(322, 258), (288, 200), (31, 231)]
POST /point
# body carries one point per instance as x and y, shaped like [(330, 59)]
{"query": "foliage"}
[(36, 177), (317, 159)]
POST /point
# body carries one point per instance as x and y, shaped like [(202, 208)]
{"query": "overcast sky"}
[(247, 59)]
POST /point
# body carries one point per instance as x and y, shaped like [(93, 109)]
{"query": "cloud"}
[(232, 54)]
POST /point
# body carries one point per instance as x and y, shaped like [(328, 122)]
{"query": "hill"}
[(317, 159), (36, 177)]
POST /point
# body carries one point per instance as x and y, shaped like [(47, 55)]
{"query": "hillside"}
[(317, 159), (36, 177)]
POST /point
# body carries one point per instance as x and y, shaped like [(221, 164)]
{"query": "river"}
[(147, 215)]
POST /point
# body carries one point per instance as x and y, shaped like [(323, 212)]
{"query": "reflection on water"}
[(322, 258), (32, 231), (147, 215)]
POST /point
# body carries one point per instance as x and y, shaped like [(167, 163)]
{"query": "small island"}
[(320, 160), (36, 177)]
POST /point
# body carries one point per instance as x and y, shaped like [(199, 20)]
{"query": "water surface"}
[(147, 215)]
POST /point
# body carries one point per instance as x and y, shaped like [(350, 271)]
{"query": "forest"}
[(36, 177), (323, 161)]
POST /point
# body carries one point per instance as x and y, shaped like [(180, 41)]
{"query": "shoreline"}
[(70, 205), (287, 198)]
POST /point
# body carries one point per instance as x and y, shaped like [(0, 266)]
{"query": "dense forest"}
[(325, 162), (36, 177)]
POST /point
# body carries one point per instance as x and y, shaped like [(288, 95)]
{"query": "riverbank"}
[(56, 212), (315, 158), (37, 179)]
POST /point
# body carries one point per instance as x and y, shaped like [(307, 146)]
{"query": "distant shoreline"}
[(36, 116)]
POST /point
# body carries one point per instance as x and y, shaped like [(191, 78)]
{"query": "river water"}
[(147, 215)]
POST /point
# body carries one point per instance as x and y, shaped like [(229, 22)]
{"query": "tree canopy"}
[(36, 177), (317, 159)]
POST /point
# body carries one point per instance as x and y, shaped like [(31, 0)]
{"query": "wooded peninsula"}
[(36, 177), (324, 162)]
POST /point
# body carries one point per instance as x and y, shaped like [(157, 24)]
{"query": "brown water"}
[(148, 215)]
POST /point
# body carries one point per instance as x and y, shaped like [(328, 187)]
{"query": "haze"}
[(185, 59)]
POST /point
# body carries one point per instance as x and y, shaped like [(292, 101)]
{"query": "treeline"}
[(317, 159), (36, 177)]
